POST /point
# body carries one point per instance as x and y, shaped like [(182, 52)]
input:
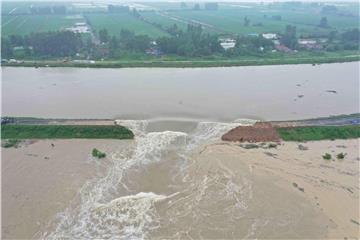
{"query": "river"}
[(221, 94)]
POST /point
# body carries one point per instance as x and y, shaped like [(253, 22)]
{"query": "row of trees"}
[(192, 42), (45, 44), (48, 10)]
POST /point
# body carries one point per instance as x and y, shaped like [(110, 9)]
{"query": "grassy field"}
[(115, 22), (26, 24), (231, 20), (319, 133), (212, 62), (228, 19), (162, 19), (64, 132)]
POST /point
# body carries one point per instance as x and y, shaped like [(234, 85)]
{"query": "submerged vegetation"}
[(319, 133), (96, 153), (341, 155), (64, 132), (327, 156)]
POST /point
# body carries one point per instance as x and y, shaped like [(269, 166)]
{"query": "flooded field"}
[(219, 94)]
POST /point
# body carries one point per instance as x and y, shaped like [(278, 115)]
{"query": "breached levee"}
[(114, 205), (170, 185)]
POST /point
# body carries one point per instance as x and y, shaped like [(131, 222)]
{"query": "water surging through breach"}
[(125, 203)]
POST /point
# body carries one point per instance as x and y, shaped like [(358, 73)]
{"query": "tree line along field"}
[(114, 23), (228, 19)]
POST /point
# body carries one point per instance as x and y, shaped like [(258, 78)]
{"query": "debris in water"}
[(331, 91), (354, 221), (302, 147)]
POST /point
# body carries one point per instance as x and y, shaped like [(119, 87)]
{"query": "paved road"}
[(352, 119)]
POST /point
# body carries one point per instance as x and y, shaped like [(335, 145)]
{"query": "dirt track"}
[(260, 132)]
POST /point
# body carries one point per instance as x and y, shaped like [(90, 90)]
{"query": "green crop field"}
[(64, 132), (162, 19), (115, 22), (168, 19), (228, 19), (319, 133), (231, 20), (25, 24)]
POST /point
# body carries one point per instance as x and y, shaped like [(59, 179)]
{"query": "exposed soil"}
[(259, 132)]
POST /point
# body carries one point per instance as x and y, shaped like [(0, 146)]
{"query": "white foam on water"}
[(206, 132), (138, 127), (102, 213)]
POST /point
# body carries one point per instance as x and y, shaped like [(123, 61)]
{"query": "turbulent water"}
[(152, 190)]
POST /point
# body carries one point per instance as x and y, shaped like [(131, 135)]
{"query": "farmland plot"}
[(26, 24), (231, 19), (115, 22)]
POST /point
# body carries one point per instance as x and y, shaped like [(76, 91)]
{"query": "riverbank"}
[(324, 128), (265, 132), (186, 63)]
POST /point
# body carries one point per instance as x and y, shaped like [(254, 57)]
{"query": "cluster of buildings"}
[(303, 43), (79, 27)]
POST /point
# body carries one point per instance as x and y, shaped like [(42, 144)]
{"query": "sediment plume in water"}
[(164, 188)]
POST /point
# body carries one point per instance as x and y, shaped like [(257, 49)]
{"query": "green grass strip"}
[(64, 132), (319, 133)]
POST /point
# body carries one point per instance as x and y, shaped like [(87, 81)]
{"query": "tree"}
[(103, 36), (332, 36), (323, 22), (6, 48), (55, 44), (192, 42), (351, 35), (246, 21), (114, 43), (174, 30), (211, 6), (289, 38)]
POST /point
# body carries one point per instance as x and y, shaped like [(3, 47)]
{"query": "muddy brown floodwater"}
[(220, 94), (177, 179)]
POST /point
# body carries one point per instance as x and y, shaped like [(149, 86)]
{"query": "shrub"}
[(319, 133), (250, 146), (17, 131), (327, 156), (98, 154), (272, 145), (11, 143), (341, 155)]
